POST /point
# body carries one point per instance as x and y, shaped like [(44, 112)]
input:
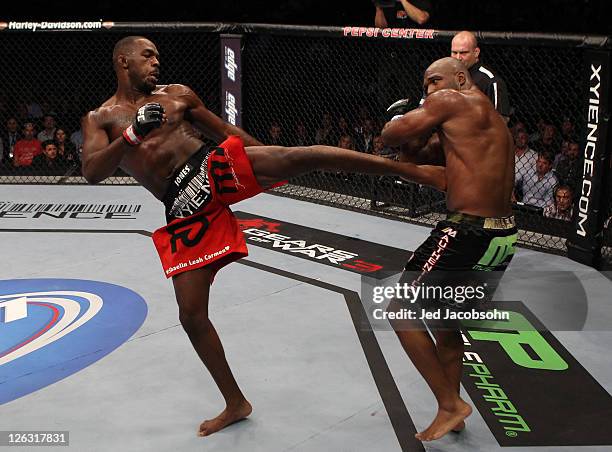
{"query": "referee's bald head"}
[(464, 47)]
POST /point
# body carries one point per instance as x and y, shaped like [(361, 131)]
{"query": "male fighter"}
[(148, 130), (457, 126)]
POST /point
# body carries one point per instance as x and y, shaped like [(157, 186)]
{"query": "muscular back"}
[(479, 155)]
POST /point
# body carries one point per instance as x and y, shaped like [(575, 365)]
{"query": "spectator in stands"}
[(342, 128), (9, 138), (365, 136), (519, 126), (464, 47), (562, 209), (402, 13), (35, 111), (48, 131), (27, 148), (325, 133), (49, 161), (567, 170), (524, 157), (346, 142), (21, 113), (65, 149), (275, 135), (561, 155), (548, 141), (537, 135), (77, 139), (567, 129), (538, 185), (301, 137)]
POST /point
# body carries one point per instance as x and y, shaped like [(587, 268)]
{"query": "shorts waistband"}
[(184, 174), (483, 222)]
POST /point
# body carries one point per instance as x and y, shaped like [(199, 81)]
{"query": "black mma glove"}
[(148, 117), (397, 109)]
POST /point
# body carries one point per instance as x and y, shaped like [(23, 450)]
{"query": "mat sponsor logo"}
[(83, 211), (52, 328), (34, 26), (513, 336), (528, 388), (264, 232), (287, 243)]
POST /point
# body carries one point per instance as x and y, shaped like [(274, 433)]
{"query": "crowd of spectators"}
[(547, 172), (32, 142), (546, 167), (546, 159), (361, 135)]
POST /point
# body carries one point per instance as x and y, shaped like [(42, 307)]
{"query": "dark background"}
[(568, 16)]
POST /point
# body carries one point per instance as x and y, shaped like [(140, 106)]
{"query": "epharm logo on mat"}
[(53, 328)]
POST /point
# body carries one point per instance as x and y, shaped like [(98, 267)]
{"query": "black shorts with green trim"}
[(462, 251)]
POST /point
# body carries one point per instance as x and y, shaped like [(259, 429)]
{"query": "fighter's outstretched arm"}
[(421, 122), (210, 124), (100, 157)]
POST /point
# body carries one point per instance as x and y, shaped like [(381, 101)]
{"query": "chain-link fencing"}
[(304, 86), (305, 89), (50, 80)]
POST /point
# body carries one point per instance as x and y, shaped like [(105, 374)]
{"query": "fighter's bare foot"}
[(445, 421), (459, 427), (227, 417)]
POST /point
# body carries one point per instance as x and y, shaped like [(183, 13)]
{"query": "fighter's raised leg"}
[(272, 164)]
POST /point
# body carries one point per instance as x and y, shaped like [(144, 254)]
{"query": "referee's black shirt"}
[(493, 86)]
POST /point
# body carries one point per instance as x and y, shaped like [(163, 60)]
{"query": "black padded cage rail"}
[(302, 85)]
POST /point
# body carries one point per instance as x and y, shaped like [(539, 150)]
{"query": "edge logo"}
[(53, 328)]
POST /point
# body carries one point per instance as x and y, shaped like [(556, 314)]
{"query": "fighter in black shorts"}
[(458, 127)]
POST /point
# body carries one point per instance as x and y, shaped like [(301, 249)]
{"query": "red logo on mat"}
[(259, 223)]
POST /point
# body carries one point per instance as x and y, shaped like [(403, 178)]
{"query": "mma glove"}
[(148, 117), (397, 109)]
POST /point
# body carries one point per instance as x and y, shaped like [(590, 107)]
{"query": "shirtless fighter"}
[(148, 130), (456, 126)]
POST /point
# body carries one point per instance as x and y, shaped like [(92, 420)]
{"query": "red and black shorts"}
[(202, 230)]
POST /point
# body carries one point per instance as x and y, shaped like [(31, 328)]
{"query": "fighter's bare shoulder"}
[(175, 89), (445, 98), (180, 91), (108, 107)]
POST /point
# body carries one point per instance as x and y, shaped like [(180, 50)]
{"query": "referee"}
[(464, 47)]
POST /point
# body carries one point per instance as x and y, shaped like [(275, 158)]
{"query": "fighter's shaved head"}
[(125, 46), (448, 65), (446, 73)]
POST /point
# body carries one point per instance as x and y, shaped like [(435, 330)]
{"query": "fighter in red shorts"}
[(148, 131)]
